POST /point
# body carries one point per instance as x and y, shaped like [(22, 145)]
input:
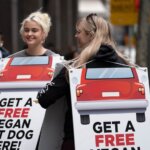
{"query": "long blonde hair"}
[(99, 28)]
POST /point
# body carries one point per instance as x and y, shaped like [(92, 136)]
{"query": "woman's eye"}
[(34, 30), (31, 30), (26, 30)]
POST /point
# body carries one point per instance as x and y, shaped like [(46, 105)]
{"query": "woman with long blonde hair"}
[(93, 34), (97, 50)]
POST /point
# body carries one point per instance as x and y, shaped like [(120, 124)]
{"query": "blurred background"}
[(130, 21)]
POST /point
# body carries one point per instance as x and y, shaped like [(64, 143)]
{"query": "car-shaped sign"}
[(26, 72), (103, 89)]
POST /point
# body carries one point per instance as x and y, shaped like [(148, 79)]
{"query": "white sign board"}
[(20, 117), (110, 108), (20, 120)]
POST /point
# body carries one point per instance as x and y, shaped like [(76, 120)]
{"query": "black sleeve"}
[(54, 90)]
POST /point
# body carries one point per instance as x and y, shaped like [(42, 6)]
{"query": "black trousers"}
[(37, 145), (68, 144)]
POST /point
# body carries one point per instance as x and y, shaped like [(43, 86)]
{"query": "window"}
[(109, 73), (19, 61)]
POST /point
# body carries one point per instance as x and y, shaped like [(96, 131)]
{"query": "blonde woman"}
[(97, 50), (34, 31), (94, 38)]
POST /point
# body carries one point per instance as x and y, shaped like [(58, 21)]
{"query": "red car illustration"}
[(111, 89), (26, 72)]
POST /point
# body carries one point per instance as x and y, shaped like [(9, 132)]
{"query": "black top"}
[(106, 57)]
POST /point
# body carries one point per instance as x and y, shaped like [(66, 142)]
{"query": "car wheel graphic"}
[(140, 117), (85, 119)]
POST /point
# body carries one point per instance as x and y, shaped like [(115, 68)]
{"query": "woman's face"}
[(83, 38), (33, 34)]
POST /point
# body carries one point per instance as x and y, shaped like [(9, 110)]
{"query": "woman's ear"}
[(44, 37), (92, 35)]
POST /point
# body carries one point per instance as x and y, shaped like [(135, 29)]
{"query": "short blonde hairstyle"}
[(43, 19)]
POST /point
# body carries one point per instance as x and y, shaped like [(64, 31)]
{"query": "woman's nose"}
[(30, 32)]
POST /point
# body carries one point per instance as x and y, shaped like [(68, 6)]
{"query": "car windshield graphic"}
[(109, 73), (19, 61)]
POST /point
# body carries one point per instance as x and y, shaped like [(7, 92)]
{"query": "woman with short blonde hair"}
[(34, 31)]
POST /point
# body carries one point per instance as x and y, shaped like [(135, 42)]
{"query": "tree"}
[(143, 35)]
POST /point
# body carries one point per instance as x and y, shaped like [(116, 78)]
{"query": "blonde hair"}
[(43, 19), (99, 28)]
